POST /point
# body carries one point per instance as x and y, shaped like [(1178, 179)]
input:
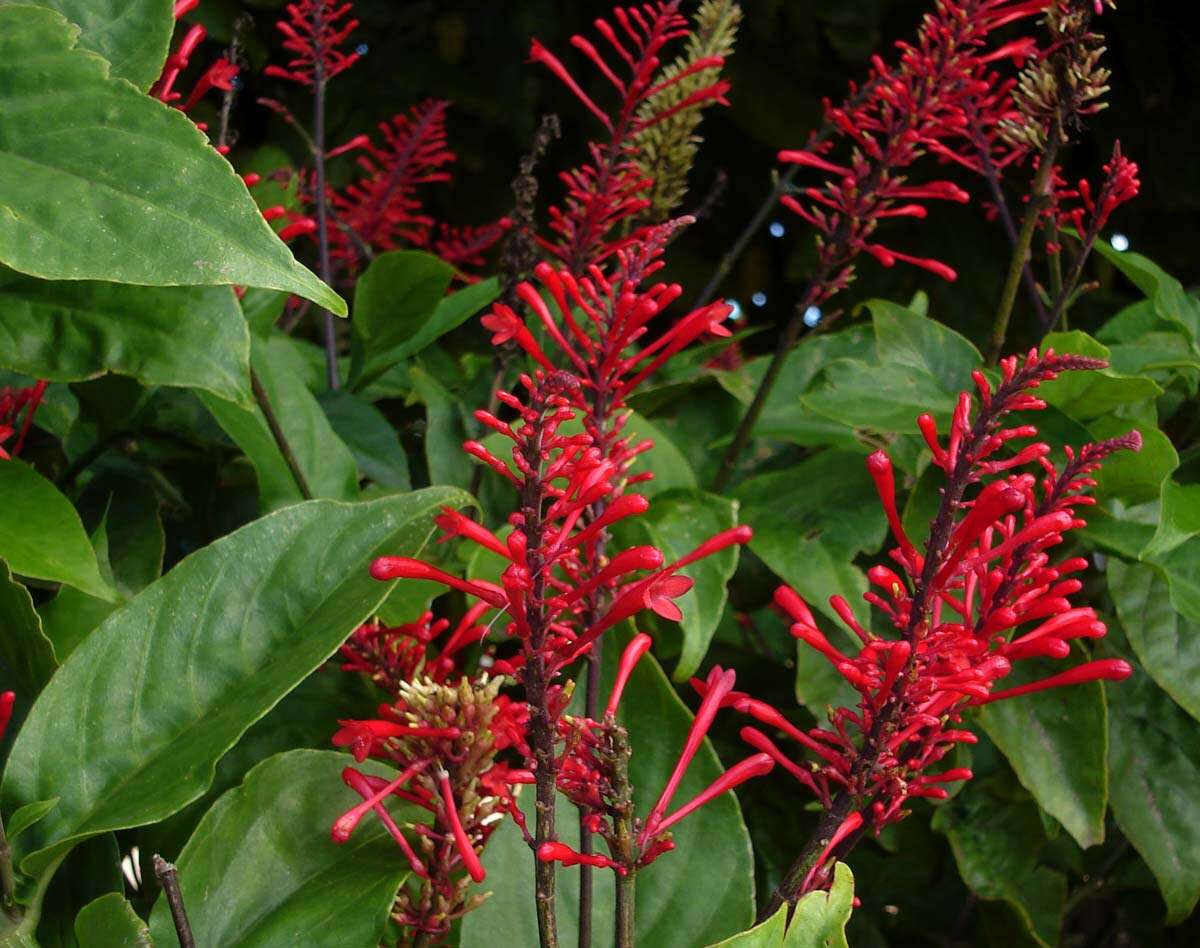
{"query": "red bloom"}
[(981, 596), (13, 403), (313, 32)]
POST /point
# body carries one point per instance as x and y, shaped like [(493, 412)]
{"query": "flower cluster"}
[(1087, 209), (982, 595), (612, 186), (925, 103), (17, 408), (593, 774), (314, 33), (220, 75)]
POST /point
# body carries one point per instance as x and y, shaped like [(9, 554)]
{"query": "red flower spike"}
[(313, 32), (990, 572)]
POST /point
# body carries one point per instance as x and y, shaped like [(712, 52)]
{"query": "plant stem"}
[(624, 839), (745, 429), (331, 354), (168, 878), (1020, 257), (8, 881), (281, 441)]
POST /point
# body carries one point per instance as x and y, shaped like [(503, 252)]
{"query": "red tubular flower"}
[(611, 188), (313, 32), (979, 597), (925, 103), (17, 408), (1088, 210), (7, 700)]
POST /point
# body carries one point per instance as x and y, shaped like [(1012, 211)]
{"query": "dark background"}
[(789, 55)]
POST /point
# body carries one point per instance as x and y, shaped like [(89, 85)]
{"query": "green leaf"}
[(906, 338), (1180, 520), (677, 522), (1166, 293), (995, 839), (1087, 395), (133, 35), (820, 918), (445, 431), (811, 520), (677, 905), (369, 436), (111, 922), (1057, 742), (101, 182), (26, 655), (671, 469), (327, 463), (1167, 643), (400, 307), (1155, 771), (768, 934), (129, 546), (40, 533), (1133, 476), (91, 870), (132, 725), (260, 869), (25, 817), (68, 331)]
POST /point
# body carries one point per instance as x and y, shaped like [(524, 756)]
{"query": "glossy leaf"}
[(40, 533), (905, 338), (369, 436), (400, 307), (261, 870), (133, 35), (1155, 765), (811, 520), (111, 922), (102, 182), (67, 331), (131, 727), (1166, 293), (678, 521), (677, 906), (327, 463), (996, 841), (1179, 520), (1166, 643), (1056, 741)]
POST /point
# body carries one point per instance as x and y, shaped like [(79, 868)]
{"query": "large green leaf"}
[(1057, 742), (40, 533), (905, 338), (131, 727), (677, 522), (133, 35), (111, 922), (1166, 293), (100, 182), (1154, 758), (261, 870), (1167, 643), (67, 331), (811, 520), (327, 463), (1180, 519), (676, 904), (445, 431), (400, 307), (996, 839)]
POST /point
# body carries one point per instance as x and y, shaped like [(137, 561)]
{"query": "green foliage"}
[(251, 868), (111, 922), (163, 208)]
